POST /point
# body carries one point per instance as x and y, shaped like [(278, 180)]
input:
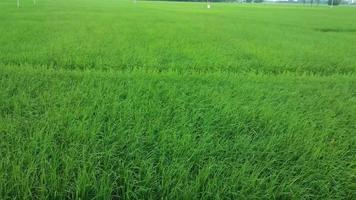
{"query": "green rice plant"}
[(156, 100)]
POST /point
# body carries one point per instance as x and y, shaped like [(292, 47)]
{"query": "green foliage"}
[(254, 1), (334, 2), (155, 100), (195, 0)]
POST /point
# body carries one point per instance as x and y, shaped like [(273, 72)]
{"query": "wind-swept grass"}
[(115, 100), (148, 135)]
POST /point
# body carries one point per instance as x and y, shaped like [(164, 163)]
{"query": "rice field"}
[(113, 99)]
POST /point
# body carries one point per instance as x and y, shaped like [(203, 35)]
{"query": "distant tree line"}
[(256, 1), (330, 2), (334, 2)]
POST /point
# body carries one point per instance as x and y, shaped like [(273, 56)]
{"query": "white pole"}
[(208, 2), (332, 3)]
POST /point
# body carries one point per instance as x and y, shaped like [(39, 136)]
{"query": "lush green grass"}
[(94, 34), (110, 99)]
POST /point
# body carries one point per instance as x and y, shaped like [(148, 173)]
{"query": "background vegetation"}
[(116, 100)]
